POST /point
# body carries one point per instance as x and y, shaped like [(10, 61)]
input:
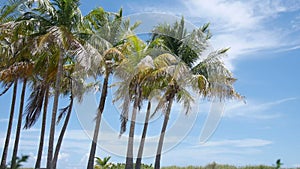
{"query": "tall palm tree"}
[(94, 19), (44, 76), (154, 81), (72, 85), (64, 112), (135, 84), (130, 89), (18, 130), (43, 128), (209, 77), (176, 88), (38, 99), (13, 73), (109, 32), (6, 72), (24, 31), (12, 109), (143, 137), (12, 52), (61, 29)]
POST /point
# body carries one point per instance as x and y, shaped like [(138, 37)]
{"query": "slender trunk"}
[(142, 143), (129, 156), (98, 120), (11, 117), (162, 135), (54, 111), (42, 135), (62, 133), (18, 130)]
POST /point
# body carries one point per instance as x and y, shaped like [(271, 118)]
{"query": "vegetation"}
[(50, 48), (105, 165)]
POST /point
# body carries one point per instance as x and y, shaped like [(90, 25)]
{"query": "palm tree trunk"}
[(42, 135), (18, 130), (162, 134), (142, 143), (54, 111), (62, 133), (11, 117), (129, 156), (98, 121)]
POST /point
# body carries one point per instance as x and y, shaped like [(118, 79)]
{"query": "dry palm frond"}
[(34, 105), (17, 70)]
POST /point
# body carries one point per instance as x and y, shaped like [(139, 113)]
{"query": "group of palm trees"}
[(50, 48)]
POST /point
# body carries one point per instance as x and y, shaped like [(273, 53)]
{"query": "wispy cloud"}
[(255, 110), (234, 152), (3, 120), (250, 142), (244, 26), (63, 156), (296, 165)]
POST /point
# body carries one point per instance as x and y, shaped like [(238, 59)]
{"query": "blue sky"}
[(264, 57)]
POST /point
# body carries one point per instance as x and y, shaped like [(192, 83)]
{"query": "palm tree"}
[(176, 88), (43, 128), (38, 99), (72, 85), (150, 90), (130, 89), (13, 73), (7, 77), (154, 81), (99, 15), (12, 109), (18, 130), (12, 50), (136, 84), (25, 72), (143, 138), (109, 31), (209, 77), (60, 31), (67, 112)]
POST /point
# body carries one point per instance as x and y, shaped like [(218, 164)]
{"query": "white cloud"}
[(222, 152), (289, 48), (238, 143), (231, 19), (3, 120), (244, 25), (63, 156), (254, 110), (233, 14)]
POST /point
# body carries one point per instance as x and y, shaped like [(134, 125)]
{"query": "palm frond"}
[(9, 10), (43, 7), (17, 70), (34, 105), (162, 105), (6, 88), (186, 98), (65, 110), (124, 113)]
